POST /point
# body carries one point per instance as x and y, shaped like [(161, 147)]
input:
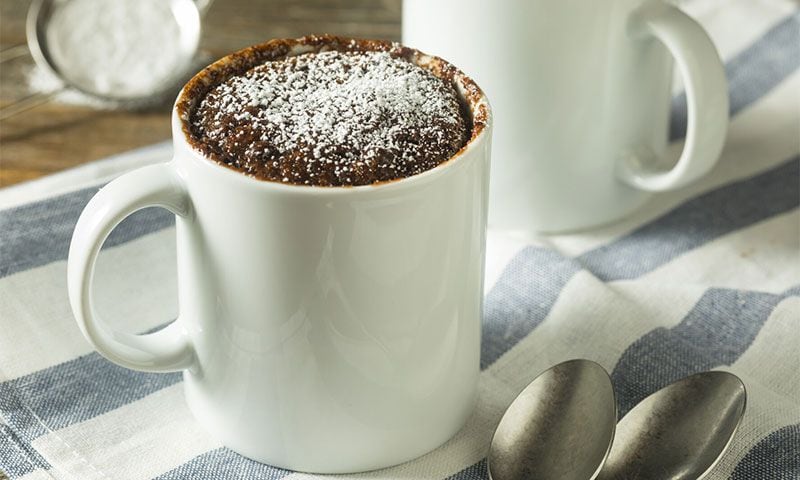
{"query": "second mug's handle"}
[(159, 185), (706, 97)]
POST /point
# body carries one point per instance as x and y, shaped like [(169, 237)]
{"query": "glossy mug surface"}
[(581, 95), (321, 329)]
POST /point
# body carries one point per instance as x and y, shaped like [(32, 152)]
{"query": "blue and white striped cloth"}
[(703, 278)]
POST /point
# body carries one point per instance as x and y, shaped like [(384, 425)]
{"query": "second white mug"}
[(581, 95)]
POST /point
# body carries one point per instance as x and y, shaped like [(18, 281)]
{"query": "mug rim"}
[(478, 105)]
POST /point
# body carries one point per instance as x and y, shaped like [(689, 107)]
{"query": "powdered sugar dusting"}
[(333, 118)]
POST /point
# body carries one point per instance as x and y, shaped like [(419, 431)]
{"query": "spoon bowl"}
[(559, 427), (680, 432)]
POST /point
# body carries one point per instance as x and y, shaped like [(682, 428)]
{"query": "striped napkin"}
[(707, 277)]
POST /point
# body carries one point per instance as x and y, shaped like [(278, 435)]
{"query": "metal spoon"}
[(680, 432), (560, 427), (185, 13)]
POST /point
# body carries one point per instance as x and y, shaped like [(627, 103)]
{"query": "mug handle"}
[(167, 350), (706, 97)]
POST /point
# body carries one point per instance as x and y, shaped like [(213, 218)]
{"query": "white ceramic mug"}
[(321, 329), (581, 95)]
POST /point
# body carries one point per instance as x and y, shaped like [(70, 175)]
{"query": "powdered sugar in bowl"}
[(125, 50)]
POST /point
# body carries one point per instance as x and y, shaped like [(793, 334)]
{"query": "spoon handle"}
[(13, 52), (27, 103)]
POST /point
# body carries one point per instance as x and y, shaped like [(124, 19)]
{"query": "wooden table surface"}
[(56, 136)]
